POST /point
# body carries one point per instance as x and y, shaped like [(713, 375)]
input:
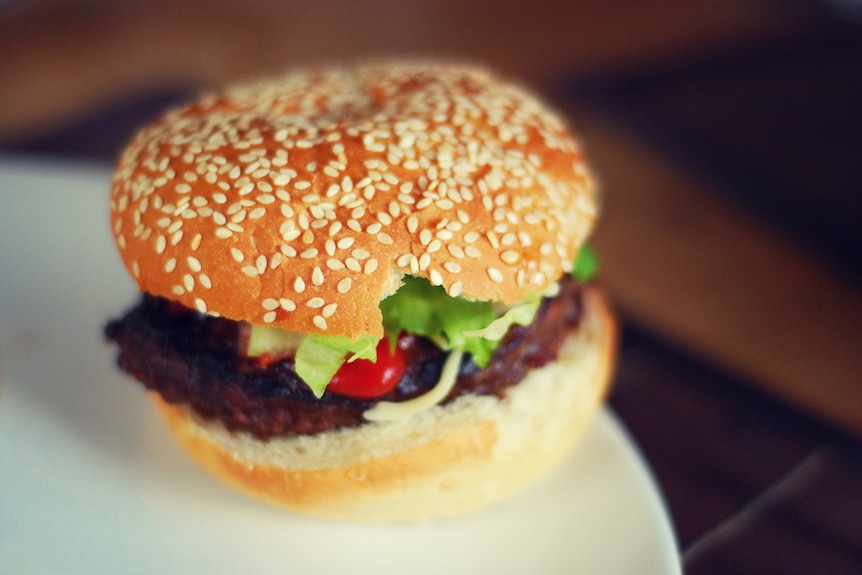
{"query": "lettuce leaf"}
[(521, 314), (318, 357), (264, 339), (586, 264), (420, 308), (423, 309)]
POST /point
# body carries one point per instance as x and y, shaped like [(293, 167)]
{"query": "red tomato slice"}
[(365, 379)]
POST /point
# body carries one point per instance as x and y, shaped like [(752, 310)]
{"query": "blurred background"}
[(728, 136)]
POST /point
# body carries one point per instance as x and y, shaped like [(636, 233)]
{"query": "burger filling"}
[(270, 382)]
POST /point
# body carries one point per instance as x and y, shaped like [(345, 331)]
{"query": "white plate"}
[(90, 482)]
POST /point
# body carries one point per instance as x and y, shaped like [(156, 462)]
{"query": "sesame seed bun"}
[(445, 461), (301, 201)]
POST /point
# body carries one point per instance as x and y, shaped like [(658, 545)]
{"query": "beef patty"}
[(192, 358)]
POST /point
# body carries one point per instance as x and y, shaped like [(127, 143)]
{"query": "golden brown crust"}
[(446, 461), (313, 193)]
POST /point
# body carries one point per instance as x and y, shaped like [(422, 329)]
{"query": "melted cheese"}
[(392, 411)]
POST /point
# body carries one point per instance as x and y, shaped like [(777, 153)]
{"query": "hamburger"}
[(365, 290)]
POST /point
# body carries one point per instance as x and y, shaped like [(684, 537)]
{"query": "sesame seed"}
[(205, 281), (455, 289), (347, 184), (319, 322), (317, 277), (510, 257), (412, 224), (385, 218), (329, 246), (287, 304), (344, 285), (290, 235), (455, 250), (269, 316), (299, 285), (329, 309), (403, 261), (194, 263), (495, 275), (424, 261)]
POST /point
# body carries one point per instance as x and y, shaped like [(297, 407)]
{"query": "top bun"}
[(301, 201)]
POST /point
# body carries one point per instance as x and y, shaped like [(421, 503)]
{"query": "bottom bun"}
[(444, 461)]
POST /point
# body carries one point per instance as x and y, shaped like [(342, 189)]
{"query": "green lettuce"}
[(454, 323), (521, 314), (417, 308), (318, 357), (586, 264), (420, 308)]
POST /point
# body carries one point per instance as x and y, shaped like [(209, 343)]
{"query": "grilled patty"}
[(196, 359)]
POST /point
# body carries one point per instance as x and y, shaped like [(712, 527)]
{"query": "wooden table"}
[(729, 249)]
